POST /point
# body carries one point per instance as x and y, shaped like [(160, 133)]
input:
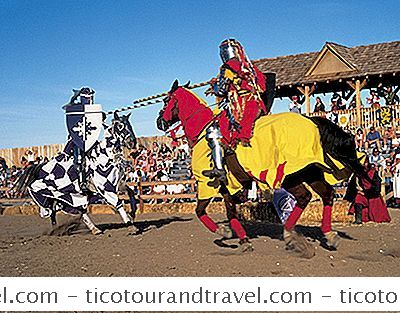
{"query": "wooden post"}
[(307, 95), (307, 92), (358, 102), (141, 203), (357, 87)]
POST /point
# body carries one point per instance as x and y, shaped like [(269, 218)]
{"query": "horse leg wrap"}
[(89, 223), (124, 215), (238, 228), (326, 225), (208, 222), (293, 218)]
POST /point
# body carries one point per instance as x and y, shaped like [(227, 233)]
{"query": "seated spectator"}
[(390, 157), (360, 139), (396, 141), (377, 159), (373, 138), (319, 105), (295, 106), (374, 100), (388, 136), (165, 151)]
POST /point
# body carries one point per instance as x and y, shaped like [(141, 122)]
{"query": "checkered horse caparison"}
[(58, 186)]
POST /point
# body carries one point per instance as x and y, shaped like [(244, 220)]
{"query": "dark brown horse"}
[(184, 106)]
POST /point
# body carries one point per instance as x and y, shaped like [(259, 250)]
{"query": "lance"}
[(143, 102), (198, 85)]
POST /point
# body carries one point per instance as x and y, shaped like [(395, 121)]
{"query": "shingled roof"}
[(375, 59)]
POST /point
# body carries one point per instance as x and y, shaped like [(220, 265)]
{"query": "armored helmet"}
[(229, 49)]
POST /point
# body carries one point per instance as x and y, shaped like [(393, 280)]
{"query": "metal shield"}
[(84, 124)]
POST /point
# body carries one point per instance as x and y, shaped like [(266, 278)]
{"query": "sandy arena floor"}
[(181, 246)]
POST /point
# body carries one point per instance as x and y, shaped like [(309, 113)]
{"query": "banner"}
[(344, 120)]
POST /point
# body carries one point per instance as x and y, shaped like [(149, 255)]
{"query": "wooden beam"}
[(301, 90), (358, 101), (363, 84), (351, 84)]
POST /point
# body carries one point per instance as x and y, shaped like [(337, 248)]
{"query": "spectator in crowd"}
[(388, 136), (294, 105), (373, 138), (30, 157), (352, 103), (338, 102), (374, 100), (391, 98), (396, 179), (396, 141), (390, 157), (334, 105), (319, 105), (3, 164), (165, 150), (24, 162), (360, 139), (333, 115), (377, 159), (367, 202)]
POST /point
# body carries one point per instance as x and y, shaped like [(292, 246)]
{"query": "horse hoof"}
[(246, 245), (288, 238), (297, 244), (96, 231), (224, 231), (331, 240), (133, 230)]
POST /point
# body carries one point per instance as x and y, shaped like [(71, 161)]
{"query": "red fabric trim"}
[(293, 218), (326, 225), (209, 223), (238, 228)]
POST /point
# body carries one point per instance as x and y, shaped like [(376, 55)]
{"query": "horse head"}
[(169, 113), (122, 130)]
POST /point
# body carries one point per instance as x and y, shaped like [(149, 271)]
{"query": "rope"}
[(144, 102)]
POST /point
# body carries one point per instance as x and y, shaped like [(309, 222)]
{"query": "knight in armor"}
[(240, 89), (83, 96)]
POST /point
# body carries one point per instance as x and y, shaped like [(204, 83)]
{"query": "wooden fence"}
[(163, 195), (368, 117)]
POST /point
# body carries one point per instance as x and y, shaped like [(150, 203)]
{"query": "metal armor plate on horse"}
[(84, 124)]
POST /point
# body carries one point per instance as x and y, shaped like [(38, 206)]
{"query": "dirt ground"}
[(181, 246)]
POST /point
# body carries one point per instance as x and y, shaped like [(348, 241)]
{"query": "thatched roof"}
[(376, 59)]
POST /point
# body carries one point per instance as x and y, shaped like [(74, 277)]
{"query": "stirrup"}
[(214, 173), (219, 175)]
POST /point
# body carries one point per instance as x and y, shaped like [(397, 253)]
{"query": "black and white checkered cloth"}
[(59, 178)]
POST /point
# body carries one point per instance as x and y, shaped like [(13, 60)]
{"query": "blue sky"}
[(131, 49)]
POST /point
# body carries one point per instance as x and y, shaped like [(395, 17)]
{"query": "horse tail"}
[(339, 144), (29, 175)]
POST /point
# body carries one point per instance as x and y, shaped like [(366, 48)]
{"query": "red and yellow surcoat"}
[(243, 93)]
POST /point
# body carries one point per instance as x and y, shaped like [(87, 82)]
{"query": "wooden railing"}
[(164, 195), (368, 117)]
